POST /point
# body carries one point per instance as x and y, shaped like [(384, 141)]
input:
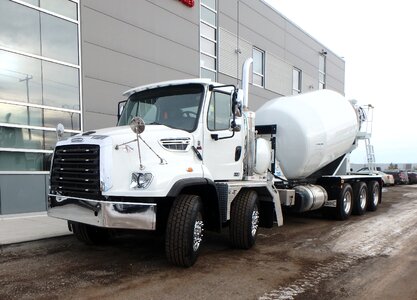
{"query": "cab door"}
[(222, 148)]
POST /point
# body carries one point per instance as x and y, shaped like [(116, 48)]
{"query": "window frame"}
[(208, 113), (41, 57), (261, 75), (212, 71), (322, 72), (296, 91)]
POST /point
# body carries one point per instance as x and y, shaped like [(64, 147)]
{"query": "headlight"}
[(140, 180)]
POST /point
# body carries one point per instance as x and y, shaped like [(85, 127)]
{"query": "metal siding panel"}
[(298, 62), (106, 95), (22, 193), (227, 53), (245, 52), (120, 68), (278, 75), (302, 51), (169, 19), (228, 23), (309, 83), (96, 120), (121, 37), (335, 85)]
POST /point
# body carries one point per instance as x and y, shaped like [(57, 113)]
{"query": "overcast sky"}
[(378, 41)]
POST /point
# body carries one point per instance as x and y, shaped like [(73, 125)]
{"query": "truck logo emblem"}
[(77, 140)]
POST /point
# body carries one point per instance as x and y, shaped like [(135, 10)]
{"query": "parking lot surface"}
[(373, 256)]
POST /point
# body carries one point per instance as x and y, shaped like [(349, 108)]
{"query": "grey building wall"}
[(130, 43), (23, 193), (244, 24)]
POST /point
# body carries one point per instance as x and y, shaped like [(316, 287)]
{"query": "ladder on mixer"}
[(370, 155), (366, 133)]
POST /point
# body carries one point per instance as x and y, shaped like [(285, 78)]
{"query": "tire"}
[(374, 195), (184, 231), (344, 203), (244, 220), (360, 198), (89, 234)]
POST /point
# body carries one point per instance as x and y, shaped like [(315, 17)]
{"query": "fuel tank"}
[(313, 129)]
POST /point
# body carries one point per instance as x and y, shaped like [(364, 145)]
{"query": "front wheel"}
[(184, 232), (344, 202), (89, 234), (244, 219), (374, 194)]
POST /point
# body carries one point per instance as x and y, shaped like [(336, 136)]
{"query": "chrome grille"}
[(76, 171)]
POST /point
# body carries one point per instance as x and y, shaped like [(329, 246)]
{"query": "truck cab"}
[(175, 163)]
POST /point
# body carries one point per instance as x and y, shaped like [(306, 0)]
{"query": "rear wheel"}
[(184, 232), (360, 194), (344, 202), (89, 234), (244, 219), (374, 195)]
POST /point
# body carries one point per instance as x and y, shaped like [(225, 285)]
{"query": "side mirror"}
[(120, 107), (59, 131), (236, 109)]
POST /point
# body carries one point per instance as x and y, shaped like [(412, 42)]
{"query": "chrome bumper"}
[(125, 215)]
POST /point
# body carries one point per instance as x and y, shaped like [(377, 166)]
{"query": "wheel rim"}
[(347, 202), (198, 232), (255, 221), (375, 195), (362, 198)]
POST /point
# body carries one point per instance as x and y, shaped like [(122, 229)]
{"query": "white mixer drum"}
[(313, 129)]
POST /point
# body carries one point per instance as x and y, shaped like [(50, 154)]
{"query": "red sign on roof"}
[(189, 3)]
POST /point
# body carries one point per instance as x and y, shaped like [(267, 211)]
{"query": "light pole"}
[(27, 78)]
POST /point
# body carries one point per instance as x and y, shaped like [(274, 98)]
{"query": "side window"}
[(220, 112)]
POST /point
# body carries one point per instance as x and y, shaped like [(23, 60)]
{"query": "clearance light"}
[(190, 169)]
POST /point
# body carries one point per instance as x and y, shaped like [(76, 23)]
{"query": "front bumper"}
[(123, 215)]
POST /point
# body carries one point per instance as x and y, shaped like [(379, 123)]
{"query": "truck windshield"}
[(174, 106)]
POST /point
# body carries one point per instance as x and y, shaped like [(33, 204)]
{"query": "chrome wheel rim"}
[(198, 232), (362, 198), (347, 202), (255, 221), (375, 195)]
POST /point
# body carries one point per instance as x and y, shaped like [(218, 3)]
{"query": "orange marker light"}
[(189, 169)]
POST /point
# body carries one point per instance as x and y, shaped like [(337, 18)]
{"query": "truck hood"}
[(124, 133), (164, 152)]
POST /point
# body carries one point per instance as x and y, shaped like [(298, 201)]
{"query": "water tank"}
[(313, 129)]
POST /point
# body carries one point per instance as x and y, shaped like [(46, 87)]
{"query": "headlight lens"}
[(140, 180)]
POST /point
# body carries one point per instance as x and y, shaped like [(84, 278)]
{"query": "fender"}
[(206, 188), (188, 182)]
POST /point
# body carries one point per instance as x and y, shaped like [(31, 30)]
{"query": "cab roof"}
[(203, 81)]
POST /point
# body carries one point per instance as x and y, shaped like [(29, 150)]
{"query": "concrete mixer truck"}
[(188, 157)]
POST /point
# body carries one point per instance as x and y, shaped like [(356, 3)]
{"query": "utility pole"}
[(27, 78)]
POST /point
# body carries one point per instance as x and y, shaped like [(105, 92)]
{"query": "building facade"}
[(69, 61)]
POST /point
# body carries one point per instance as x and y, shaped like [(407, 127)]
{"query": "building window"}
[(296, 81), (39, 80), (258, 67), (208, 39), (322, 71)]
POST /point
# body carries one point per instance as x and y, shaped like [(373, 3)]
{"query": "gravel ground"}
[(372, 256)]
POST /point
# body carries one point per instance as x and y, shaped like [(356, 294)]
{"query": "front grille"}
[(76, 171)]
